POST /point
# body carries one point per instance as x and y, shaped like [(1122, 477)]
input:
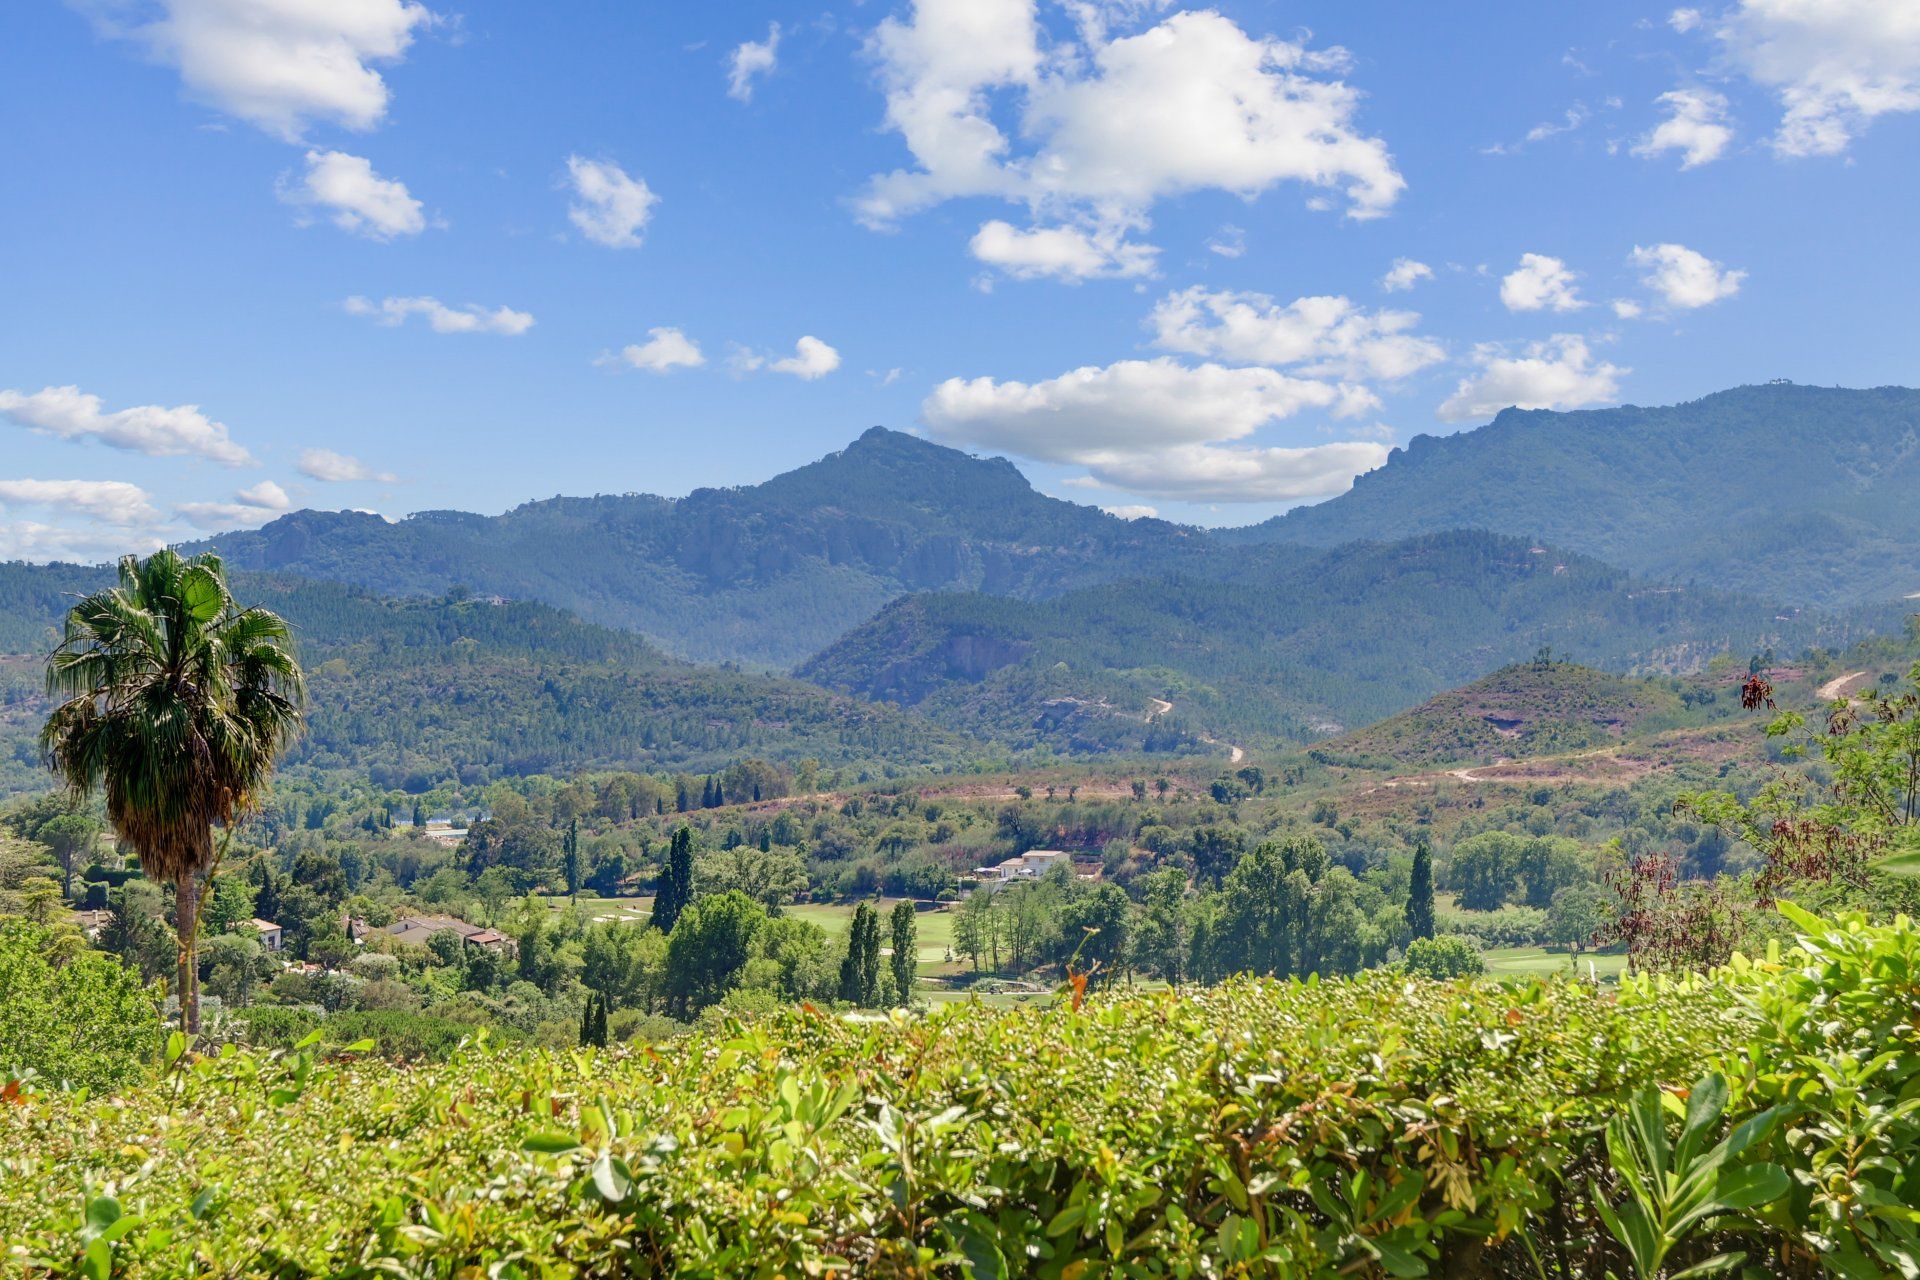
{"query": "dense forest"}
[(411, 693)]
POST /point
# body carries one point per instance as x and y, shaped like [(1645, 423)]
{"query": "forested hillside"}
[(764, 575), (1338, 639), (1801, 494), (1537, 708), (408, 693)]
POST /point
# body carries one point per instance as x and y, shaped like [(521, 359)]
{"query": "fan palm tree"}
[(176, 703)]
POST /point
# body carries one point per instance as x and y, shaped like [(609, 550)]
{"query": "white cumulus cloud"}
[(1156, 427), (1696, 126), (750, 59), (338, 468), (1404, 274), (250, 507), (664, 350), (277, 64), (1559, 373), (811, 359), (442, 318), (1682, 277), (610, 206), (1109, 126), (357, 199), (154, 430), (37, 540), (113, 502), (1064, 253), (1836, 65), (1325, 336), (1540, 283), (1133, 511)]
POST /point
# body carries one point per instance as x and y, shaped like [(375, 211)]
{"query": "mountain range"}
[(1792, 493), (764, 575), (936, 607)]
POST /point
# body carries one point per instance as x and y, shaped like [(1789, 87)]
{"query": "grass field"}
[(1521, 962), (933, 929)]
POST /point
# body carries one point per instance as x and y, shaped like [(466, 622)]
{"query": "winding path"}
[(1838, 685)]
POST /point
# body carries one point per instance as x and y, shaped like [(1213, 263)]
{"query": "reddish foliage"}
[(1756, 693)]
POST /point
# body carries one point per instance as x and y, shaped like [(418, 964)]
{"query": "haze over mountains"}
[(899, 571)]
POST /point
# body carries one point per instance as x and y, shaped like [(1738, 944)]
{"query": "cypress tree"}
[(675, 890), (1420, 893), (905, 950), (870, 960), (860, 971)]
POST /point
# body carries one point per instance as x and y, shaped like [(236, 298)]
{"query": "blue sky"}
[(405, 257)]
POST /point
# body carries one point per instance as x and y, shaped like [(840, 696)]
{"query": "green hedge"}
[(1384, 1125)]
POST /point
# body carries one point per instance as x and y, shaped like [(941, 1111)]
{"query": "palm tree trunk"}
[(186, 914)]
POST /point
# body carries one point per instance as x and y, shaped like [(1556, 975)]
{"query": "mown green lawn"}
[(1520, 962), (933, 930)]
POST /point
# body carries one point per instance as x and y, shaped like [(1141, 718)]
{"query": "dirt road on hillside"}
[(1837, 686), (1162, 707)]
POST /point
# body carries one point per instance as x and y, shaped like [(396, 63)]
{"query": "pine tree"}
[(905, 950), (1420, 893)]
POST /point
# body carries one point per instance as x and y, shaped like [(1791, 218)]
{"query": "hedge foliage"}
[(1383, 1125)]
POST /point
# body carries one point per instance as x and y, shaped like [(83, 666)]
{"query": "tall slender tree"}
[(1420, 893), (177, 703), (675, 892), (860, 971), (906, 950)]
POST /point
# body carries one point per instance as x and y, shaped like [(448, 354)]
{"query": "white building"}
[(1030, 865)]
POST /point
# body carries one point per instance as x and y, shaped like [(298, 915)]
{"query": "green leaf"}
[(102, 1212), (611, 1179), (1751, 1185), (551, 1144)]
